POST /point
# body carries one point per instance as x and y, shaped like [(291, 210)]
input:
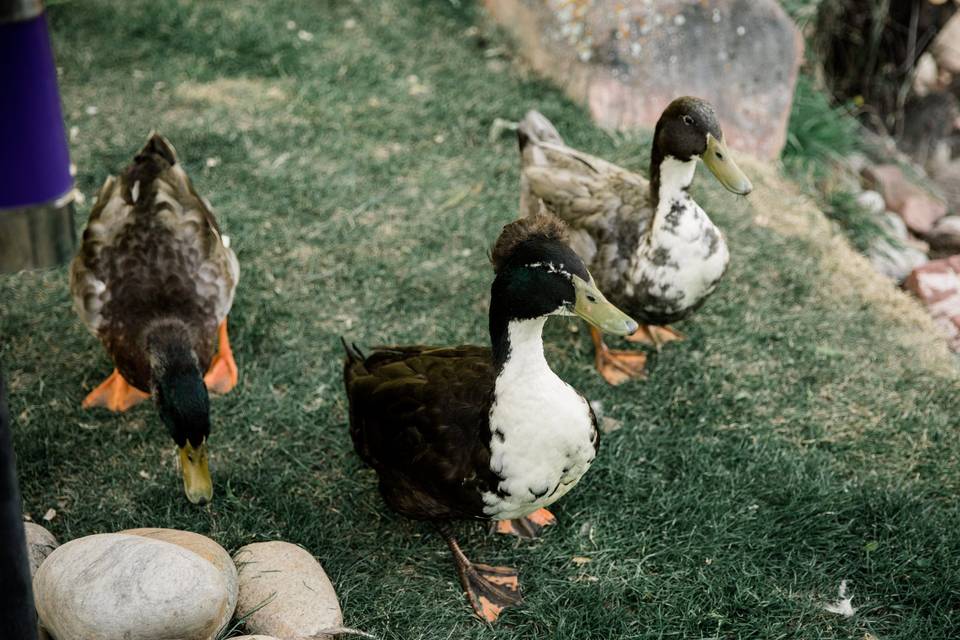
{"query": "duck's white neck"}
[(525, 357), (675, 179)]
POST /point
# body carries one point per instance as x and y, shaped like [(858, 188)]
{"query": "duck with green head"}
[(653, 249), (482, 433), (154, 280)]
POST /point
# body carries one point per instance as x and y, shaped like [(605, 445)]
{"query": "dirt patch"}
[(233, 92)]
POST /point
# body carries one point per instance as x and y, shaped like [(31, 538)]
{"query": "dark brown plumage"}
[(419, 417), (152, 257), (154, 280)]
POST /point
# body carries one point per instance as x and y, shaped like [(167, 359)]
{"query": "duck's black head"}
[(689, 130), (539, 275), (184, 406)]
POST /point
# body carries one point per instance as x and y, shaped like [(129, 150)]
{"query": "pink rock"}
[(628, 59), (919, 210), (937, 285)]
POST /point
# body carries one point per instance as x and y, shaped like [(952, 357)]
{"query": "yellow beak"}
[(592, 306), (718, 160), (197, 483)]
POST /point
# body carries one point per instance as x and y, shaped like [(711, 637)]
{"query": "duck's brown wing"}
[(151, 250), (419, 416), (595, 198)]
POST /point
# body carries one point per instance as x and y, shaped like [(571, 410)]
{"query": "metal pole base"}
[(37, 236)]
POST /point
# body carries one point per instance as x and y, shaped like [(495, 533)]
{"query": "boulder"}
[(40, 544), (937, 285), (115, 586), (628, 59), (203, 547), (918, 209), (294, 595)]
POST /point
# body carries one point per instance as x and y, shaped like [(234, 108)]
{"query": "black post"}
[(17, 612)]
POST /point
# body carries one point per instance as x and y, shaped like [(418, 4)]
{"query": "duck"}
[(485, 433), (16, 607), (154, 280), (654, 251)]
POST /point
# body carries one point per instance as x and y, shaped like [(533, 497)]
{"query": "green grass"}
[(796, 438)]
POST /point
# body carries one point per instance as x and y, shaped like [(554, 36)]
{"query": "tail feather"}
[(158, 146), (354, 354), (537, 128)]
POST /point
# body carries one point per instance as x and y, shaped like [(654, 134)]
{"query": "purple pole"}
[(36, 213)]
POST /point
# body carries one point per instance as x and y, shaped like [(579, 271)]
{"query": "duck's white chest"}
[(682, 261), (543, 441)]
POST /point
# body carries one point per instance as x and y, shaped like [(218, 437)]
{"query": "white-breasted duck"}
[(653, 250), (154, 280), (472, 432)]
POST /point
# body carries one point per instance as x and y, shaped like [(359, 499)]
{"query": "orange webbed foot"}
[(655, 335), (489, 589), (222, 375), (115, 394), (529, 527), (616, 366)]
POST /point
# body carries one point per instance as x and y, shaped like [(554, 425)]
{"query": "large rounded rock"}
[(115, 586), (628, 59), (203, 547), (40, 544), (294, 595)]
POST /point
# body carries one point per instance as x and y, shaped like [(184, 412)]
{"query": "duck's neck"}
[(518, 348), (669, 183), (177, 382)]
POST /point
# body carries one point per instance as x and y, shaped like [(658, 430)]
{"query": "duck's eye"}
[(719, 156), (591, 298), (687, 120)]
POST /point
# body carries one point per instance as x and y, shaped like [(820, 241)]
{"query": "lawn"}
[(804, 433)]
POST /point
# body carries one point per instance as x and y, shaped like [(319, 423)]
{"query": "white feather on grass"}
[(842, 606)]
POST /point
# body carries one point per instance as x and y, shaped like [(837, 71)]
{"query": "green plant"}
[(819, 132)]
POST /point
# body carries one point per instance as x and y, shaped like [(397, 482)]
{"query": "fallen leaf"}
[(581, 560)]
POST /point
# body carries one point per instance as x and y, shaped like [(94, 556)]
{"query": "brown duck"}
[(654, 251), (154, 280)]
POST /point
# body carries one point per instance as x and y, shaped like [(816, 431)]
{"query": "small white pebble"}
[(741, 30), (349, 23), (50, 515), (439, 138), (716, 15), (679, 20), (306, 36), (91, 110), (74, 132), (291, 25), (213, 161)]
